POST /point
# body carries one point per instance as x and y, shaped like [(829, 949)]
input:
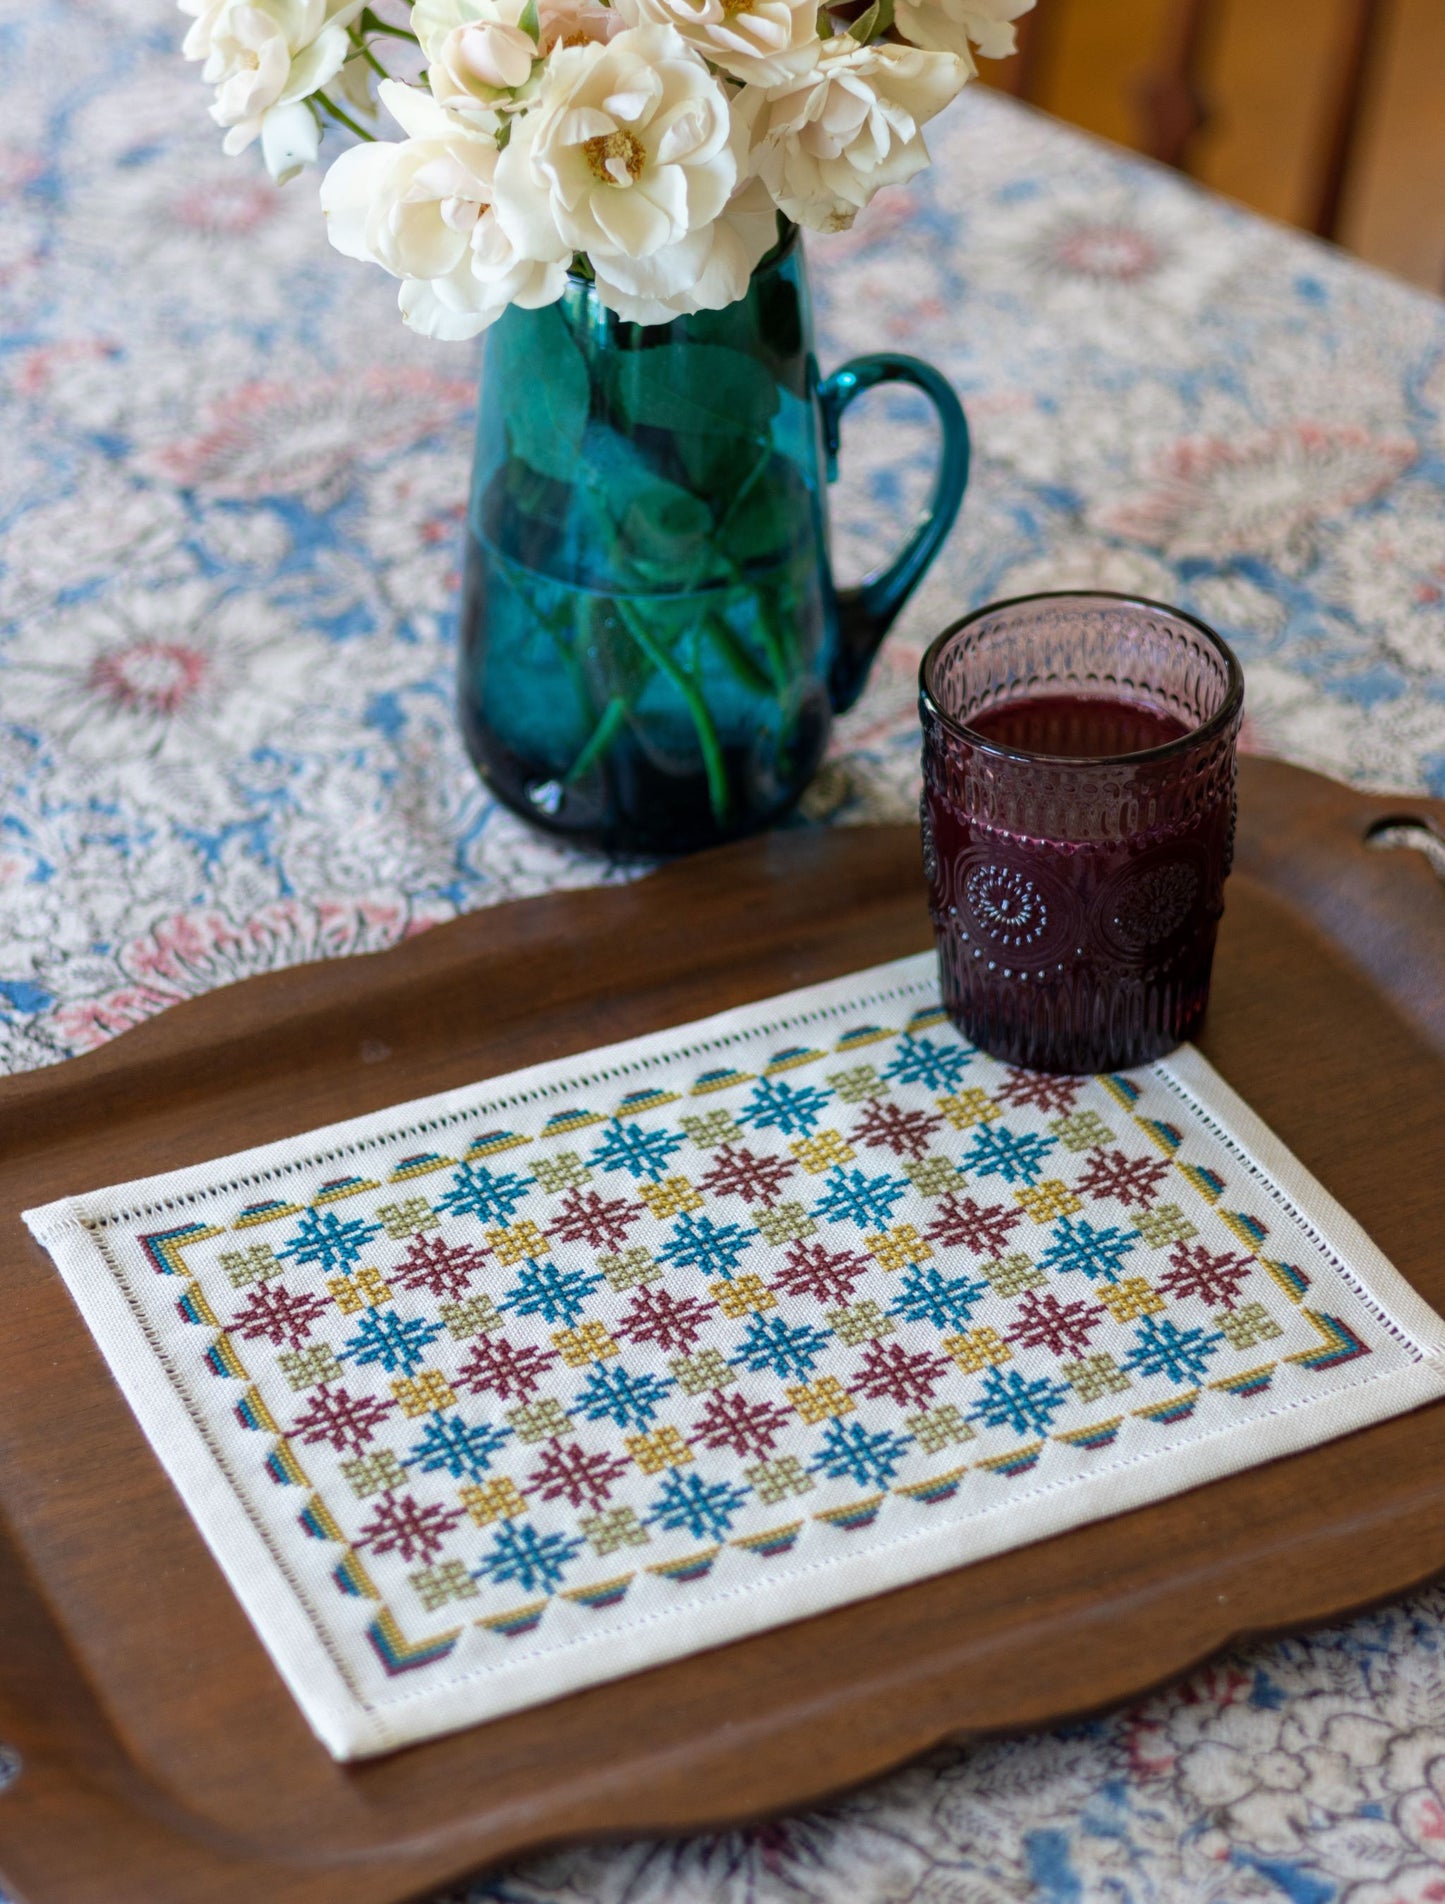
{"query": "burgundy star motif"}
[(401, 1525), (1132, 1180), (672, 1322), (502, 1368), (739, 1172), (446, 1269), (732, 1421), (812, 1269), (892, 1373), (1039, 1088), (586, 1216), (890, 1127), (1194, 1272), (566, 1469), (1043, 1322), (340, 1419), (274, 1312), (984, 1228)]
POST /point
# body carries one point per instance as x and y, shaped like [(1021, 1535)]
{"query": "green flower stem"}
[(719, 798), (614, 719), (736, 655), (765, 456), (345, 119), (373, 23), (778, 658)]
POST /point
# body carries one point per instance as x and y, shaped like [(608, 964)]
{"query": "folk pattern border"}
[(677, 1330)]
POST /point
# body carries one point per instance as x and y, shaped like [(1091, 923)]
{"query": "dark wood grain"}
[(1176, 107), (164, 1762)]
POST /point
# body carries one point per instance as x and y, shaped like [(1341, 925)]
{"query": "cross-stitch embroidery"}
[(471, 1380)]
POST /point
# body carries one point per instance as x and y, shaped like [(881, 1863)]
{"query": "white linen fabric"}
[(529, 1385)]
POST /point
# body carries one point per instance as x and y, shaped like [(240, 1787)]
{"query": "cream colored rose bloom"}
[(480, 57), (958, 26), (625, 150), (477, 52), (421, 209), (265, 58), (475, 292), (758, 41), (411, 207), (706, 270), (574, 22), (825, 143)]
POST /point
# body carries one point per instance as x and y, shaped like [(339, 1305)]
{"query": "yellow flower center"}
[(733, 7), (616, 158)]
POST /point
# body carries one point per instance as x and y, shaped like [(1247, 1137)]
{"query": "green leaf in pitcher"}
[(694, 389), (770, 512), (657, 534), (547, 417)]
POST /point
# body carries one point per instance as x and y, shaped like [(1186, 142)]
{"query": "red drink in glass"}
[(1078, 820)]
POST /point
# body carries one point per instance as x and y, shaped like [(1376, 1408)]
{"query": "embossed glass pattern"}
[(1075, 899)]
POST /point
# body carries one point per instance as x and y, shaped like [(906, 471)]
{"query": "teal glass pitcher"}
[(652, 646)]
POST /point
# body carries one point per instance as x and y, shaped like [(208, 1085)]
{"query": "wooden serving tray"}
[(162, 1760)]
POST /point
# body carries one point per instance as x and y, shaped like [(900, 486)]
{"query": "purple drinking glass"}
[(1078, 824)]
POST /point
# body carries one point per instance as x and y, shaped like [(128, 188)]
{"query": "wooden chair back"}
[(1174, 100)]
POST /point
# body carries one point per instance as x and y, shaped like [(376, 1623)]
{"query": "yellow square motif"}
[(1130, 1298), (663, 1448), (671, 1197), (499, 1499), (821, 1151), (898, 1247), (423, 1394), (522, 1239), (348, 1299), (968, 1108), (1044, 1201), (588, 1343), (820, 1400), (745, 1295), (978, 1349), (367, 1289)]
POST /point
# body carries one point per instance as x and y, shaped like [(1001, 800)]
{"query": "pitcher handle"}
[(866, 613)]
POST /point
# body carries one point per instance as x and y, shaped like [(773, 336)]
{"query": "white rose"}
[(480, 57), (265, 58), (758, 41), (478, 53), (204, 15), (476, 292), (562, 22), (421, 209), (624, 150), (411, 207), (574, 22), (957, 26), (825, 143), (706, 270)]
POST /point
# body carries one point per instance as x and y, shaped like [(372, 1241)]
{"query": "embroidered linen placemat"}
[(523, 1387)]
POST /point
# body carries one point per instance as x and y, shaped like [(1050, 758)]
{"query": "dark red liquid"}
[(1077, 727), (1076, 899)]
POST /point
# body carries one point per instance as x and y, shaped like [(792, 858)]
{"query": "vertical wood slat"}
[(1023, 75), (1362, 41), (1176, 107), (1172, 98)]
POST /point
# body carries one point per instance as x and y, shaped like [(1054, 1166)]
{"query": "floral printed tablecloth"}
[(230, 496)]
